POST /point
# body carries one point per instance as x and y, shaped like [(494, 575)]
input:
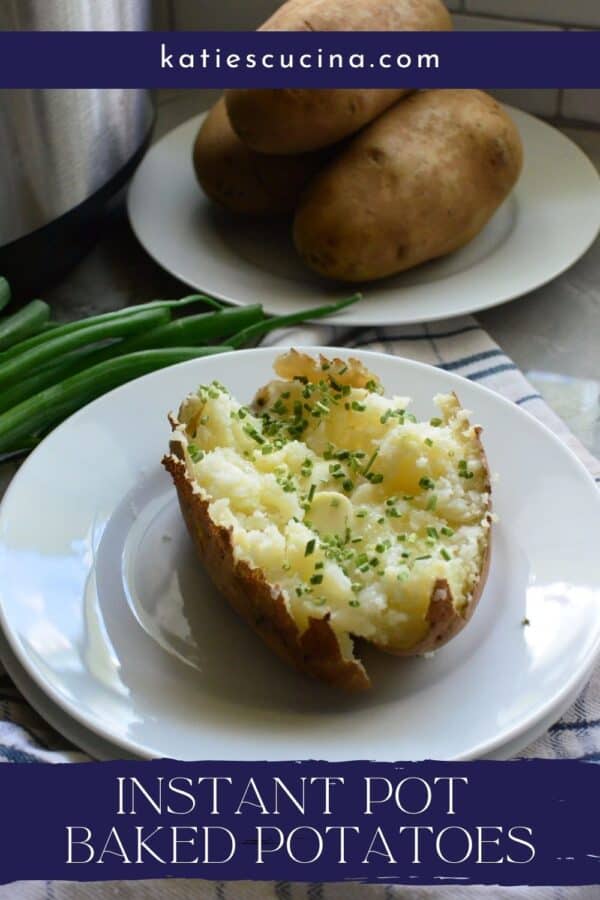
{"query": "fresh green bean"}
[(81, 324), (42, 412), (27, 321), (56, 344), (192, 330), (186, 332), (71, 365), (5, 293), (260, 328)]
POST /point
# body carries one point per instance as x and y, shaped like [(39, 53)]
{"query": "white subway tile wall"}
[(560, 12), (581, 105), (541, 102), (521, 15)]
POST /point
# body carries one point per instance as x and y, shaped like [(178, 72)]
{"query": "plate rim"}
[(353, 317), (483, 748)]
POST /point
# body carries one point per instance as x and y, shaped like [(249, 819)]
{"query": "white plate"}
[(105, 607), (98, 748), (548, 222)]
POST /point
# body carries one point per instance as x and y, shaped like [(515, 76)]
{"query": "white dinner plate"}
[(99, 748), (106, 608), (548, 222)]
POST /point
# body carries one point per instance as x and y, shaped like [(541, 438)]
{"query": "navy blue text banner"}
[(529, 822), (485, 59)]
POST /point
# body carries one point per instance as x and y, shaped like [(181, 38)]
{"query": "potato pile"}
[(378, 181)]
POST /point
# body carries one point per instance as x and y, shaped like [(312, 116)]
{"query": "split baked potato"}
[(326, 512)]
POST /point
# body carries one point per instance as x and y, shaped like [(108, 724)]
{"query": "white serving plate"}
[(108, 612), (547, 223)]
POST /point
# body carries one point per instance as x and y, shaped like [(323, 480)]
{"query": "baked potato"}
[(416, 184), (298, 121), (326, 512), (245, 182)]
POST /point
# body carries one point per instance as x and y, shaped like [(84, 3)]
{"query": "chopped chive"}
[(361, 513), (375, 477), (311, 492), (432, 533), (429, 442), (436, 422), (358, 407), (253, 433), (427, 556), (432, 502), (316, 579), (448, 532), (445, 554), (426, 483), (195, 452), (367, 468), (347, 485), (310, 547)]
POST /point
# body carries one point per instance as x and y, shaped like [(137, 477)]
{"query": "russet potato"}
[(418, 183), (245, 182), (297, 121)]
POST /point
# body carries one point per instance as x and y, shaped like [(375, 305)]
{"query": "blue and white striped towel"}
[(458, 345)]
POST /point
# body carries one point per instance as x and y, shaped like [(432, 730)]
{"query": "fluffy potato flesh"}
[(352, 510)]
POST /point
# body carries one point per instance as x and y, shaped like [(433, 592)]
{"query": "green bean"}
[(42, 412), (185, 332), (5, 293), (70, 365), (194, 329), (57, 344), (27, 321), (260, 328), (81, 324)]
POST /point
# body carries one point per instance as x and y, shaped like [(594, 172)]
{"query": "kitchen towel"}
[(456, 345)]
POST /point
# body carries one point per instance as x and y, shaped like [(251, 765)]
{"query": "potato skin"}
[(297, 121), (418, 183), (245, 182)]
